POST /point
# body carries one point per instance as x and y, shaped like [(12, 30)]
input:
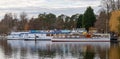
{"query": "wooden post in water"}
[(35, 37)]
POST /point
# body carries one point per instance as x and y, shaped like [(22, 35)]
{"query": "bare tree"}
[(101, 22), (108, 6), (22, 22), (8, 20), (111, 5), (4, 29)]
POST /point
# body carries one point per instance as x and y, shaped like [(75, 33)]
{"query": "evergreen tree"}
[(89, 18), (79, 21), (50, 21)]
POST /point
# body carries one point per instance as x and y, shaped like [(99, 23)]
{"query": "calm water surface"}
[(20, 49)]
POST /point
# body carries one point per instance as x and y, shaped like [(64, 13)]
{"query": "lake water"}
[(20, 49)]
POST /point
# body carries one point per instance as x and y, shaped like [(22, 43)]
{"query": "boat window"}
[(37, 36), (26, 34), (49, 35)]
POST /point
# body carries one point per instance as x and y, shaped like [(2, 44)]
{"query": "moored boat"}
[(28, 36), (16, 35), (37, 36), (76, 37)]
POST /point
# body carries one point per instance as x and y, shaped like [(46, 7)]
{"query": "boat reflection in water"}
[(20, 49)]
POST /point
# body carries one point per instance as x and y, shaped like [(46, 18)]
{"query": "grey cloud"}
[(35, 8), (33, 12)]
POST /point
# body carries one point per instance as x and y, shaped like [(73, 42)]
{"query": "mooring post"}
[(35, 37)]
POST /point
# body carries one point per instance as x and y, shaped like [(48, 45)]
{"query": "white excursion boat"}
[(28, 36), (16, 35), (37, 36)]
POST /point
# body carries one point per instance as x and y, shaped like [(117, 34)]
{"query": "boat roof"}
[(51, 32)]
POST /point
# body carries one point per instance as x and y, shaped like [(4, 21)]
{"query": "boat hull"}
[(82, 40), (42, 38), (15, 38), (38, 39)]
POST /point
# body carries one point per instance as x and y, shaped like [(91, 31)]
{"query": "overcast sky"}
[(34, 7)]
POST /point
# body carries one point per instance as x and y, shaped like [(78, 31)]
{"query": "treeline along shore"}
[(46, 21)]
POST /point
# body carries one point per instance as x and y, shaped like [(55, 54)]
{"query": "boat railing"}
[(101, 35), (83, 36), (69, 36)]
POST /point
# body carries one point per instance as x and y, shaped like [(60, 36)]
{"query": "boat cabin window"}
[(49, 35)]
